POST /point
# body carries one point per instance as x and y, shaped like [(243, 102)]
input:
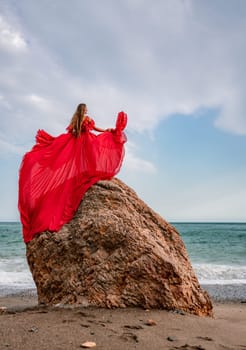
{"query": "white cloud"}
[(233, 114), (135, 163), (10, 38), (152, 61), (38, 102)]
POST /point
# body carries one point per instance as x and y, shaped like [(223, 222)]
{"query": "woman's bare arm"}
[(102, 130)]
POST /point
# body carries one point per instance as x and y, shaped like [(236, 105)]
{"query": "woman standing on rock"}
[(57, 172)]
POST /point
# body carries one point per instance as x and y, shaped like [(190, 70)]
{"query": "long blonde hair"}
[(77, 119)]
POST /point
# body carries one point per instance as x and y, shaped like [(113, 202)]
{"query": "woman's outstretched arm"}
[(102, 130)]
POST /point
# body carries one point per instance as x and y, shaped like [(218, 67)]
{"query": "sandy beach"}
[(25, 325)]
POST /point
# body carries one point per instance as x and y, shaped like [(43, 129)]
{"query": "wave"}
[(15, 275), (220, 274)]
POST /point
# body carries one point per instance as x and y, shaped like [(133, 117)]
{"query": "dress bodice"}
[(87, 125)]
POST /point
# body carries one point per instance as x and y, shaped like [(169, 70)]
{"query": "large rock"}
[(116, 252)]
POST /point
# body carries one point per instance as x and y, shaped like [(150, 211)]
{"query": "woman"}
[(57, 172), (78, 118)]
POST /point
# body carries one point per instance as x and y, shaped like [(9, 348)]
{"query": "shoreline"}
[(219, 293), (30, 298), (224, 293)]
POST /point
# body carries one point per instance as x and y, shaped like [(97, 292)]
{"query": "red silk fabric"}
[(57, 172)]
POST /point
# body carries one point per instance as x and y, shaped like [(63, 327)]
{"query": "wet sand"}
[(25, 325)]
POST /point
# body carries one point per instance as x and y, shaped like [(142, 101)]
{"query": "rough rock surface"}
[(116, 252)]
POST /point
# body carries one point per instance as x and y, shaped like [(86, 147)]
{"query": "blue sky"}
[(177, 67)]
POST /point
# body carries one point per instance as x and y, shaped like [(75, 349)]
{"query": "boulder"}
[(115, 252)]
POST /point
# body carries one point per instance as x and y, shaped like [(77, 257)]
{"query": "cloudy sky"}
[(177, 67)]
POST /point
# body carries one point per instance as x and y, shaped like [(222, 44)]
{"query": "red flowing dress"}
[(57, 172)]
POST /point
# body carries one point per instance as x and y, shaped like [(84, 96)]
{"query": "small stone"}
[(33, 330), (58, 305), (129, 335), (187, 346), (133, 326), (205, 338), (135, 337), (171, 338), (88, 344), (180, 312), (3, 309), (43, 312), (151, 323)]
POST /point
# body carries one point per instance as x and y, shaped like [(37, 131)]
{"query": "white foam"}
[(220, 274), (16, 279), (14, 273)]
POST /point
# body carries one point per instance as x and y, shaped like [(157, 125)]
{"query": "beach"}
[(217, 253), (25, 325)]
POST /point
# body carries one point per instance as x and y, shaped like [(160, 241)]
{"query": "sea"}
[(217, 252)]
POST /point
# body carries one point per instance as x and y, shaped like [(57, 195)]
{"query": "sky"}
[(176, 67)]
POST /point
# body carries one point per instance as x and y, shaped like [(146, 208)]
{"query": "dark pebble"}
[(33, 330), (171, 338), (205, 338), (133, 327), (180, 312)]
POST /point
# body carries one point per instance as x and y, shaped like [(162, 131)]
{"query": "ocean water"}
[(217, 252), (15, 276)]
